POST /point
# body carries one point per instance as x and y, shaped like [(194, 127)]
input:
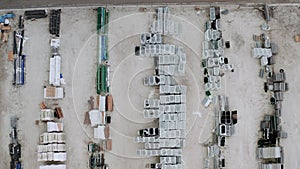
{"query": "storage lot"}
[(79, 50)]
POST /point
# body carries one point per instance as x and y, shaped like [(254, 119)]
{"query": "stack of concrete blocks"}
[(170, 107), (164, 24), (213, 60), (265, 51)]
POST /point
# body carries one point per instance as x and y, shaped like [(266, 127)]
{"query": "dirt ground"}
[(79, 58)]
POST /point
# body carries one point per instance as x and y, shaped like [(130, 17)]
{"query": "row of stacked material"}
[(269, 151), (102, 82), (214, 61), (19, 70), (169, 59), (224, 128), (14, 146), (18, 44), (102, 103), (215, 64), (54, 73), (103, 54), (35, 14), (163, 24), (19, 40), (100, 119), (54, 91), (52, 147), (52, 143), (59, 166), (54, 23), (166, 140), (102, 29), (19, 59)]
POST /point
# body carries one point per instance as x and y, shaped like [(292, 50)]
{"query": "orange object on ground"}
[(10, 56)]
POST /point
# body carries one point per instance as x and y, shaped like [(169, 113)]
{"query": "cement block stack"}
[(269, 151), (214, 61), (215, 64), (166, 140)]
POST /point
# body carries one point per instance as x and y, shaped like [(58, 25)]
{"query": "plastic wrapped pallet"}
[(54, 127), (57, 166)]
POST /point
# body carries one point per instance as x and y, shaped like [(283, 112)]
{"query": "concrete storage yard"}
[(79, 63)]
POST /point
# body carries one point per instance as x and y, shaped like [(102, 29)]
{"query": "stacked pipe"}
[(102, 82), (19, 59), (35, 14)]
